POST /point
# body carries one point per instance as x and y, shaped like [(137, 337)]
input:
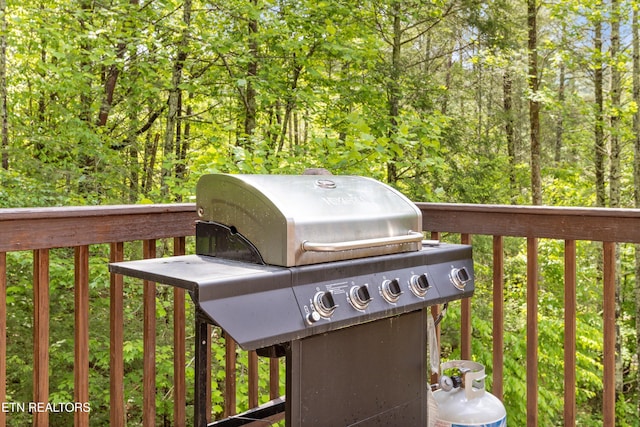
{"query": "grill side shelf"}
[(187, 271)]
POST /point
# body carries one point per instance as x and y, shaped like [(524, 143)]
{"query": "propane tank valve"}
[(448, 383)]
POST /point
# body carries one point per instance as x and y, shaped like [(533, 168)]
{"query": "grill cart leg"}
[(200, 393)]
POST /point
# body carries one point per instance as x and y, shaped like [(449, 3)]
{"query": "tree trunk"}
[(291, 99), (534, 104), (173, 102), (149, 161), (88, 157), (394, 88), (636, 173), (447, 77), (184, 146), (112, 74), (614, 118), (614, 166), (252, 73), (600, 149), (557, 157), (4, 137), (507, 103)]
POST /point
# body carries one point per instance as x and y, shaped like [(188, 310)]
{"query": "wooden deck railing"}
[(609, 226), (39, 230)]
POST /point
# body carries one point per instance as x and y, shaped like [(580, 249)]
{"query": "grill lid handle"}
[(411, 237)]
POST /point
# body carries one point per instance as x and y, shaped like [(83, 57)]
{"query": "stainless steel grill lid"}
[(307, 219)]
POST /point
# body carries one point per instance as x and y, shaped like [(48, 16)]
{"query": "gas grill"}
[(331, 272)]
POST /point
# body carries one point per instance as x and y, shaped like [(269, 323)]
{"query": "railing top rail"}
[(11, 214), (42, 228), (567, 223), (39, 228), (531, 209)]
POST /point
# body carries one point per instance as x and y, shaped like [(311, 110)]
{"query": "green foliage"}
[(360, 88)]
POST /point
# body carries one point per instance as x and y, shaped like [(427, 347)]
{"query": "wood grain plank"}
[(597, 224), (253, 379), (41, 333), (498, 317), (609, 330), (274, 378), (26, 229), (3, 335), (116, 343), (179, 346), (570, 310), (230, 377), (532, 332), (465, 316), (81, 334), (149, 342)]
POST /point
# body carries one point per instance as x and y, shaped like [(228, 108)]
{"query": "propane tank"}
[(462, 400)]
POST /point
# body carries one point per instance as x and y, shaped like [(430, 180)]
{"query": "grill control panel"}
[(348, 299)]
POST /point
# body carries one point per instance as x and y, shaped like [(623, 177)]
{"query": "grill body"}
[(328, 274)]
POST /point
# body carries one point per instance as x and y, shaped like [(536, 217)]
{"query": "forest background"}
[(499, 101)]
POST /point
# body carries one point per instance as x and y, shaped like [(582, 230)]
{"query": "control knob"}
[(460, 277), (390, 290), (324, 303), (419, 284), (359, 297)]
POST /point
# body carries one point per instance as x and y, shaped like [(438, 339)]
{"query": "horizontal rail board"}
[(596, 224), (44, 228)]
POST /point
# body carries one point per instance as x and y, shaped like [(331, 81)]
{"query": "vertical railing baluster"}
[(81, 341), (569, 333), (207, 391), (465, 317), (230, 376), (609, 330), (532, 332), (274, 378), (116, 340), (179, 346), (498, 317), (253, 378), (435, 312), (3, 335), (41, 333), (149, 342)]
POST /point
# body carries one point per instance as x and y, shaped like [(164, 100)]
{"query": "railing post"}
[(532, 332), (570, 333), (81, 341), (498, 316)]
